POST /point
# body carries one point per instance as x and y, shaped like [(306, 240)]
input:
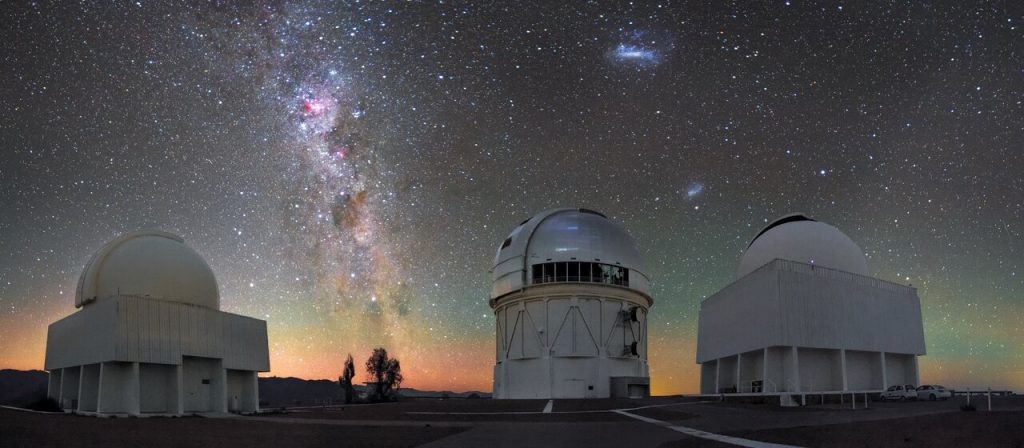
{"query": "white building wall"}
[(793, 304), (160, 383), (863, 370), (70, 380), (85, 337), (820, 311), (153, 331), (741, 317), (88, 392), (819, 370), (751, 369), (242, 391), (203, 385), (824, 308), (119, 388), (567, 343)]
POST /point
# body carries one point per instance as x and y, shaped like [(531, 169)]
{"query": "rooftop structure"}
[(804, 315), (149, 337), (571, 297)]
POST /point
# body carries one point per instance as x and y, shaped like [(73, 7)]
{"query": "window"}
[(206, 381), (579, 272)]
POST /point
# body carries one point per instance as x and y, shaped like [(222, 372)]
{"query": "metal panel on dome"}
[(582, 236), (148, 264), (805, 241), (564, 235)]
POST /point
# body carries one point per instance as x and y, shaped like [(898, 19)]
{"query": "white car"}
[(899, 392), (933, 392)]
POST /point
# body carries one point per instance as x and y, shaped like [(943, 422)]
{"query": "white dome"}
[(798, 238), (572, 234), (152, 264)]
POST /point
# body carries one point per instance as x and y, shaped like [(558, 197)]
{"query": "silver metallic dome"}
[(150, 264), (567, 235), (798, 238)]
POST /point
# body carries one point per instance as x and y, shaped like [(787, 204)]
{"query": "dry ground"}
[(1003, 429), (499, 424), (23, 429)]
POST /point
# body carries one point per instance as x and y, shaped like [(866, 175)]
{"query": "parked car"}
[(899, 392), (933, 392)]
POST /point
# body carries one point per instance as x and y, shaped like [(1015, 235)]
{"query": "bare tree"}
[(386, 374), (348, 373)]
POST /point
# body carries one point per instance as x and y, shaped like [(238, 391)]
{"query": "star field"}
[(349, 169)]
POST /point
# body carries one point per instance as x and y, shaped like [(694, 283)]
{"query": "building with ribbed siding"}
[(570, 296), (149, 337), (804, 315)]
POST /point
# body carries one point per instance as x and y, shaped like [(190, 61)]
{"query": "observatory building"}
[(804, 316), (571, 298), (150, 338)]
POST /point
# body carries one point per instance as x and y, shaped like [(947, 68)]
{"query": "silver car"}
[(899, 392), (933, 392)]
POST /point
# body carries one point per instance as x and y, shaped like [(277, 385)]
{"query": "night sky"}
[(348, 170)]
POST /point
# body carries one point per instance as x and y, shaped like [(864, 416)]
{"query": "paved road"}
[(604, 434)]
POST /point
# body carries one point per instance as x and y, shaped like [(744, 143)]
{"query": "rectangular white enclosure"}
[(796, 327), (135, 355)]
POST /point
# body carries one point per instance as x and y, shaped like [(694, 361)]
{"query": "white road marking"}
[(704, 434), (548, 407), (593, 411)]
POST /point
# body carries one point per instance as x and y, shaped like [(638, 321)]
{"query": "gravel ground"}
[(23, 429), (952, 430), (483, 410)]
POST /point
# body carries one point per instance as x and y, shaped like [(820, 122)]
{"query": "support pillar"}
[(718, 367), (796, 368), (739, 387), (133, 391), (60, 395), (256, 392), (180, 405), (764, 371), (885, 374), (81, 382), (917, 372), (99, 392), (223, 407), (842, 363)]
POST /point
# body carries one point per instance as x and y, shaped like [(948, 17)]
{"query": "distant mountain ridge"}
[(21, 387), (290, 391)]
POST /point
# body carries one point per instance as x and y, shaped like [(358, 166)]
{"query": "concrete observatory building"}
[(571, 298), (150, 338), (805, 316)]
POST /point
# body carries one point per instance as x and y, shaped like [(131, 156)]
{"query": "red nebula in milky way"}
[(339, 152), (313, 106)]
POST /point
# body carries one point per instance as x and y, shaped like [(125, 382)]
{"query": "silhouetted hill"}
[(276, 392), (21, 387)]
